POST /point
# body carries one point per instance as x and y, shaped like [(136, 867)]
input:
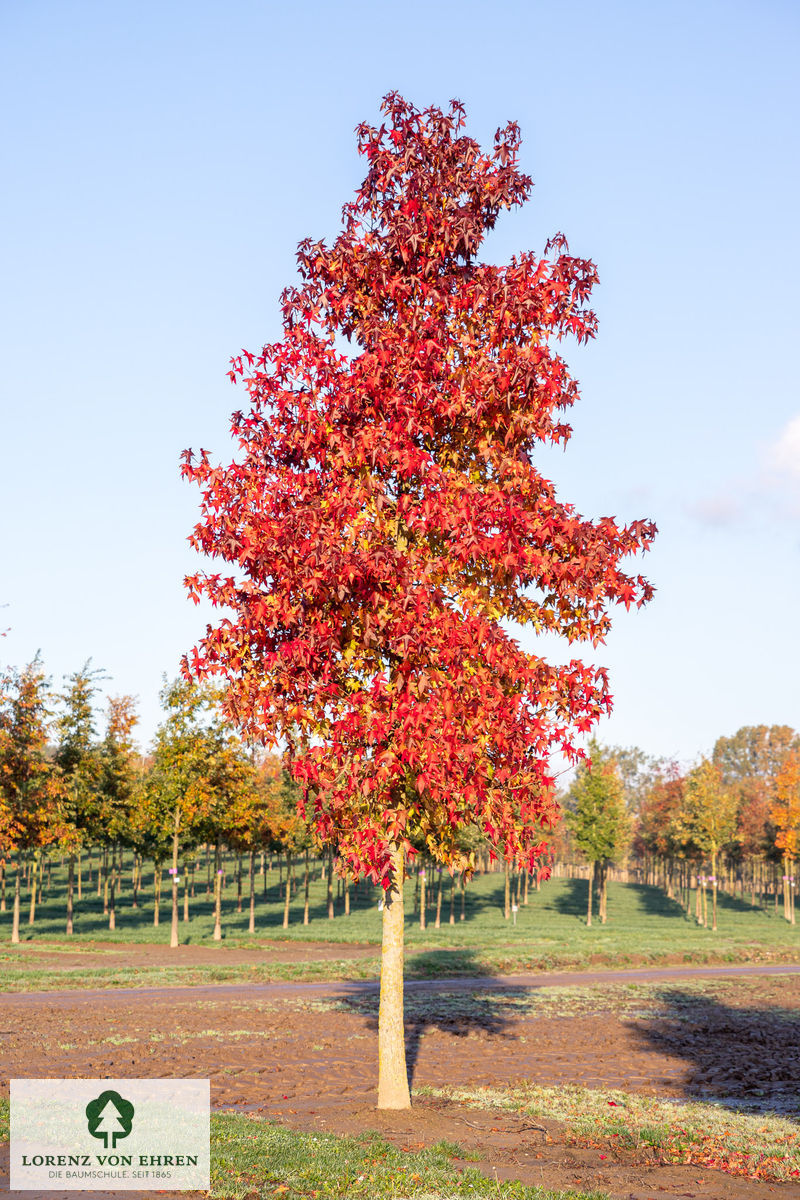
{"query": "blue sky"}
[(162, 160)]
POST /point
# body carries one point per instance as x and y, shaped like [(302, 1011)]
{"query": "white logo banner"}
[(110, 1134)]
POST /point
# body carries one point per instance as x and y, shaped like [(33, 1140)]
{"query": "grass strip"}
[(754, 1145), (252, 1158), (45, 979)]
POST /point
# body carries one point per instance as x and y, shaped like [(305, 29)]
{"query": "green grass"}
[(760, 1145), (253, 1158), (28, 977), (643, 927)]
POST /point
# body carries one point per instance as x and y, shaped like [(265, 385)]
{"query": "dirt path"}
[(305, 1054), (456, 983)]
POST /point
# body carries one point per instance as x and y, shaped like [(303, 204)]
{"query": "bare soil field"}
[(305, 1055)]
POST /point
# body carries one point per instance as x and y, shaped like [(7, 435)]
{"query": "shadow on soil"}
[(738, 1056), (458, 1013)]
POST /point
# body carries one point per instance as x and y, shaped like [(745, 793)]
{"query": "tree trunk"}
[(251, 924), (112, 908), (156, 891), (32, 913), (217, 895), (330, 885), (507, 896), (173, 933), (393, 1089), (463, 914), (423, 881), (452, 899), (70, 890), (792, 888), (15, 918), (305, 892), (603, 893), (288, 890), (239, 883), (438, 922), (589, 906), (80, 888), (3, 886)]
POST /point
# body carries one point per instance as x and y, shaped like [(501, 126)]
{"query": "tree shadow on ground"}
[(572, 899), (654, 901), (738, 1056), (449, 1008), (475, 903)]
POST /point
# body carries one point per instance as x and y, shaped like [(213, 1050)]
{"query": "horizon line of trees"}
[(66, 787), (731, 820)]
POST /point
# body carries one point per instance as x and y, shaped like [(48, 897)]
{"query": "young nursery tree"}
[(707, 821), (598, 818), (31, 785), (78, 758), (750, 761), (120, 787), (785, 813), (181, 786), (657, 809), (384, 516)]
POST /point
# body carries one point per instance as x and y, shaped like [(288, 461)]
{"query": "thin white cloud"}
[(784, 454), (772, 492)]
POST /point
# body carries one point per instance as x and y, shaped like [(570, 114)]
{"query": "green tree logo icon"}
[(110, 1117)]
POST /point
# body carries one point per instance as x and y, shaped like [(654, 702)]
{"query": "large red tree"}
[(384, 519)]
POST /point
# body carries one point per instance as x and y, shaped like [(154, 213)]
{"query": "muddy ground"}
[(305, 1055)]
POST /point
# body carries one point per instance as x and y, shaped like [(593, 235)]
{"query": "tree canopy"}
[(384, 515)]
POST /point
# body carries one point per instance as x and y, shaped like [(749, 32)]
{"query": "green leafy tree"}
[(78, 757), (184, 779), (119, 786), (707, 822), (231, 783), (754, 751), (598, 819)]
